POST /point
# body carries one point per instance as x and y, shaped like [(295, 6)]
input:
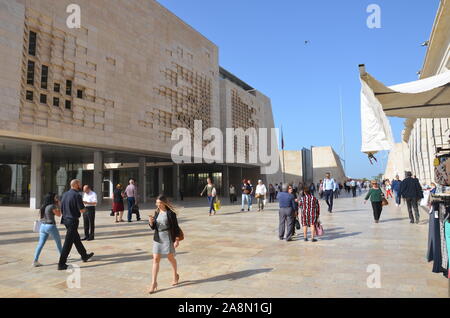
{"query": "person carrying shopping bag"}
[(376, 196)]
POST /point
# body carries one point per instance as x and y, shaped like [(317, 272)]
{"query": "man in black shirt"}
[(71, 207)]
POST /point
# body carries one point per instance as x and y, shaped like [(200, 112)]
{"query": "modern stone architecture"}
[(310, 165), (424, 136), (398, 161), (326, 160), (108, 95)]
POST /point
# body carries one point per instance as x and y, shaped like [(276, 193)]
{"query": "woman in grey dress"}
[(166, 238)]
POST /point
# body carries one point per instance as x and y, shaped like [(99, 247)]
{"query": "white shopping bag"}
[(37, 226), (426, 197)]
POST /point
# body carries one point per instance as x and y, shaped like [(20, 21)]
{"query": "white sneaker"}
[(36, 264)]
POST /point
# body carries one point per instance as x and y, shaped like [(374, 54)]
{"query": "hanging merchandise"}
[(447, 239), (441, 171)]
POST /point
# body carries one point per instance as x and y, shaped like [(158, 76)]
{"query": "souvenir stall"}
[(439, 224)]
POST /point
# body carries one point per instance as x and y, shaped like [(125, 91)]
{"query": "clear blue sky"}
[(262, 42)]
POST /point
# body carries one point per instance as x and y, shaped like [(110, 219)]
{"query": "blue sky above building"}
[(263, 43)]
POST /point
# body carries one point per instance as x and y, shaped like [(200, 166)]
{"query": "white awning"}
[(426, 98)]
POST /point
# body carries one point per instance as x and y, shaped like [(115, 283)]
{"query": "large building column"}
[(161, 180), (98, 176), (36, 176), (142, 176), (111, 184), (226, 181), (176, 182)]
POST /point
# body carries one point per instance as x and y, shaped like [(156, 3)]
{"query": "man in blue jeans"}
[(328, 187), (396, 188), (131, 193), (246, 191)]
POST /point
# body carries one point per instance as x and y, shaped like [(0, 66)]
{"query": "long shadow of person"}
[(227, 277)]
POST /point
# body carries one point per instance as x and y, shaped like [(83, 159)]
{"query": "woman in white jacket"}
[(260, 194)]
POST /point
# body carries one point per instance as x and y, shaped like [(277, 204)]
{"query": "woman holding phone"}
[(166, 238)]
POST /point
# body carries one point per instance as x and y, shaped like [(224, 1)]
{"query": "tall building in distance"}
[(100, 102)]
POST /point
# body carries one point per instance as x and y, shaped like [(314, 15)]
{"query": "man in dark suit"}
[(411, 190), (71, 207)]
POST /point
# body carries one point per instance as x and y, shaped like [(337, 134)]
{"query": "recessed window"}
[(32, 39), (44, 77), (56, 101), (29, 95), (43, 99), (68, 104), (80, 93), (69, 88), (30, 73), (57, 88)]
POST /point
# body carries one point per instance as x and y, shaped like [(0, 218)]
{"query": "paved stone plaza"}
[(232, 254)]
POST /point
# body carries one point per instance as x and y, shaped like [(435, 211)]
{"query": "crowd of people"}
[(80, 201), (298, 207)]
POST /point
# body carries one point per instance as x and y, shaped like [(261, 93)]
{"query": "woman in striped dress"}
[(310, 213)]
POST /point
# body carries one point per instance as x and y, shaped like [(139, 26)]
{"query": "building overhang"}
[(425, 98)]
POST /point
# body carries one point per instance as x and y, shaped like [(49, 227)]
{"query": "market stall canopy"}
[(426, 98)]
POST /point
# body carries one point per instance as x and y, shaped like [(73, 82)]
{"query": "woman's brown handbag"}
[(181, 236), (384, 202)]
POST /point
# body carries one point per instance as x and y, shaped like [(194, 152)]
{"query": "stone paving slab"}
[(232, 254)]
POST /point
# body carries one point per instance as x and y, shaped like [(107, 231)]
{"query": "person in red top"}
[(310, 213)]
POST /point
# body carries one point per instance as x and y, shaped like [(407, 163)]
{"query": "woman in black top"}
[(118, 203), (49, 209), (166, 238)]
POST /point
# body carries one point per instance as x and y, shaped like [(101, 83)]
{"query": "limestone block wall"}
[(293, 166), (426, 135), (241, 109), (11, 26), (326, 160), (398, 162), (124, 80)]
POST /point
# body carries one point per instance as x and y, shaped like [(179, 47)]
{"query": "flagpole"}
[(342, 127), (282, 153)]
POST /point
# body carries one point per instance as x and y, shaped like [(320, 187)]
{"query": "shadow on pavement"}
[(393, 220), (122, 258), (225, 277)]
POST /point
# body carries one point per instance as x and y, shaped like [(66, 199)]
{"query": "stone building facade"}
[(113, 89), (422, 136)]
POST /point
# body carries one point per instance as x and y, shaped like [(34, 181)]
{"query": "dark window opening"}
[(43, 99), (57, 88), (29, 95), (56, 101), (32, 39), (80, 93), (44, 77), (68, 104), (30, 73), (69, 88)]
